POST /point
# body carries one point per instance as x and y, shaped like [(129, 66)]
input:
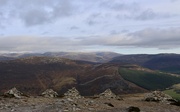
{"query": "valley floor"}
[(41, 104)]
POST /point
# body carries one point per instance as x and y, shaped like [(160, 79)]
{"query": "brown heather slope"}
[(33, 75)]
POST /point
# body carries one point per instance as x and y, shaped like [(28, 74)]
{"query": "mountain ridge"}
[(163, 62), (101, 57)]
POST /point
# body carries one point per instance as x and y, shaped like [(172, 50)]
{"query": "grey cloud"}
[(44, 33), (152, 38), (114, 32), (120, 5), (36, 44), (97, 18), (173, 0), (133, 10), (147, 15), (38, 12), (1, 17), (74, 28), (92, 19), (91, 22), (35, 17), (122, 10), (124, 31), (34, 12), (63, 8), (95, 15), (3, 2), (147, 38), (160, 38), (2, 20)]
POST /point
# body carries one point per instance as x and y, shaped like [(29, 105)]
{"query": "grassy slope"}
[(149, 80), (172, 93)]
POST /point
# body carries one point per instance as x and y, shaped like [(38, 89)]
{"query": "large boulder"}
[(73, 94), (13, 93), (49, 93), (157, 96)]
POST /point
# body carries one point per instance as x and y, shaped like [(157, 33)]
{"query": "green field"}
[(149, 80), (172, 93)]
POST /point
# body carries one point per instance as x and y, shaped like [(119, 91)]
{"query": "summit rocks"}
[(13, 93), (130, 103), (108, 94), (157, 96), (49, 93), (73, 94)]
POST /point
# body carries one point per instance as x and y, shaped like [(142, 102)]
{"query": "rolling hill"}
[(163, 62), (148, 79), (33, 75)]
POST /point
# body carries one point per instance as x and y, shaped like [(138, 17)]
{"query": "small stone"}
[(69, 99), (109, 104), (78, 109), (12, 110), (91, 109)]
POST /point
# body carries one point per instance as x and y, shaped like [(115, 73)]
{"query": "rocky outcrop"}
[(49, 93), (157, 96), (108, 94), (73, 94), (13, 93)]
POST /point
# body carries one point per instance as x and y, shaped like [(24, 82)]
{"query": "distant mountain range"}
[(90, 73), (89, 56)]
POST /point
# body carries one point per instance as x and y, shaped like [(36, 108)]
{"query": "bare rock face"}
[(13, 93), (73, 94), (49, 93), (157, 96), (109, 95)]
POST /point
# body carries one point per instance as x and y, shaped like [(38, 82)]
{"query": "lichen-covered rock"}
[(73, 94), (49, 93), (157, 96), (13, 93)]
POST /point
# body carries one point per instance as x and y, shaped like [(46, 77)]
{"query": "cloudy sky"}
[(124, 26)]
